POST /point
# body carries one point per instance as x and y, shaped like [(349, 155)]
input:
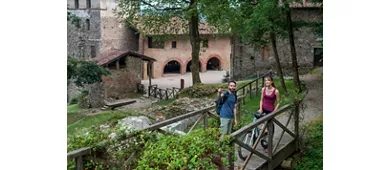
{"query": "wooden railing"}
[(248, 88), (168, 93), (273, 159)]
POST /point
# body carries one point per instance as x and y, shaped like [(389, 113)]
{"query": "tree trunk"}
[(195, 43), (279, 68), (292, 47)]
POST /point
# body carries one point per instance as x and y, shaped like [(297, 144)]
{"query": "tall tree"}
[(258, 23), (167, 19)]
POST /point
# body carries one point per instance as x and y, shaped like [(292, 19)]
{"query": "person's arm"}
[(261, 101), (277, 100), (219, 94), (235, 115)]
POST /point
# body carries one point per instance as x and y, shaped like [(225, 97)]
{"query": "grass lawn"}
[(77, 119), (252, 105)]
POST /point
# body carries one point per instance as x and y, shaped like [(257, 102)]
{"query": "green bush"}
[(200, 149), (73, 101), (313, 147)]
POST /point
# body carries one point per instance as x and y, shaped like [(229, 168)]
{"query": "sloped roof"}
[(111, 55)]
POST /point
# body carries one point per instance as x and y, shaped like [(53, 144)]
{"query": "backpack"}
[(220, 101)]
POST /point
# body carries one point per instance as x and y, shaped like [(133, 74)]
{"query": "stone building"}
[(101, 31), (247, 61)]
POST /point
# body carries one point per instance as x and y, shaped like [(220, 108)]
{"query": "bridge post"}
[(296, 118), (79, 163)]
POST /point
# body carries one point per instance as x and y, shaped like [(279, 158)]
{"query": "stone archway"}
[(172, 67), (214, 63)]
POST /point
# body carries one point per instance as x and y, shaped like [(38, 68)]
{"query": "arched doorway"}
[(172, 67), (189, 66), (213, 64)]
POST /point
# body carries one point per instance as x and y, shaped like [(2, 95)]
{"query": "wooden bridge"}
[(281, 146)]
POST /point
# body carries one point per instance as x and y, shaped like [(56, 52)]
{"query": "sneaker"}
[(266, 150)]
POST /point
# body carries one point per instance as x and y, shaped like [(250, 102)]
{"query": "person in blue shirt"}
[(228, 110)]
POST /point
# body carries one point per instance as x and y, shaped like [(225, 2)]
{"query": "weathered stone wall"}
[(96, 95), (114, 33), (121, 84), (247, 61)]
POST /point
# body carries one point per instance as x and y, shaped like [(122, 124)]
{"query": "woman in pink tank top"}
[(269, 96)]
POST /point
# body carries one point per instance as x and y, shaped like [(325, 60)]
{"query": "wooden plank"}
[(281, 136), (270, 142), (251, 149), (254, 146), (213, 115), (79, 152), (178, 118), (284, 128), (79, 163), (250, 90), (196, 123), (122, 103), (205, 120), (259, 121), (279, 156), (296, 117)]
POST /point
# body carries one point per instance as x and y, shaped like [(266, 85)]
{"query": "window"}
[(88, 3), (88, 24), (205, 43), (173, 44), (155, 43), (93, 51), (76, 4)]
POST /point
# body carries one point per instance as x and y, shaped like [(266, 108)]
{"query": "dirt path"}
[(314, 98)]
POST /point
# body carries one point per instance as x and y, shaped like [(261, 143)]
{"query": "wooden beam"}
[(260, 121), (178, 118), (254, 146), (281, 136), (205, 120), (79, 163), (284, 128), (117, 65), (280, 156), (251, 149), (78, 153), (196, 123)]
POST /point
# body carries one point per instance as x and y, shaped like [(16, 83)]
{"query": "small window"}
[(205, 43), (93, 51), (173, 44), (88, 3), (88, 24), (76, 4)]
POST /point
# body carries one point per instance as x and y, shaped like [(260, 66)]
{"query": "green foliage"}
[(84, 72), (115, 150), (313, 152), (73, 101), (74, 19), (197, 150)]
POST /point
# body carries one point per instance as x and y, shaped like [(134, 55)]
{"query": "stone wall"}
[(121, 84), (81, 39), (247, 61)]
